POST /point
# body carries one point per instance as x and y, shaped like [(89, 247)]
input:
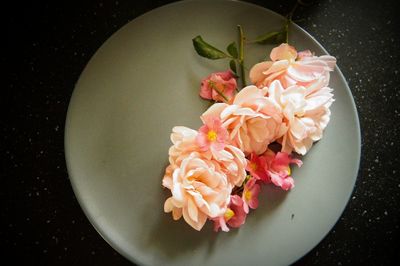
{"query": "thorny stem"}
[(241, 55)]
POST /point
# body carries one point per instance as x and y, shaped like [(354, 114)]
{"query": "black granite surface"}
[(47, 45)]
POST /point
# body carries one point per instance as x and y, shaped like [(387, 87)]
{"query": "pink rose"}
[(253, 121), (200, 181), (292, 68), (223, 82), (306, 113)]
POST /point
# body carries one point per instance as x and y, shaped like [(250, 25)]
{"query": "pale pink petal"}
[(179, 133), (192, 210), (246, 112), (195, 224), (176, 213), (229, 110), (168, 206), (283, 51), (319, 99), (329, 60), (246, 207), (288, 183), (219, 222), (278, 67), (302, 54), (317, 85), (305, 73), (300, 147), (256, 72), (297, 129), (297, 162), (249, 92), (214, 110), (257, 129)]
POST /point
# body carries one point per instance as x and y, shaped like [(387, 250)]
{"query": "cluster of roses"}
[(215, 173)]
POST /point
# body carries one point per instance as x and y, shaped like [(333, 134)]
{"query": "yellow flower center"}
[(247, 195), (228, 214), (289, 171), (253, 166), (212, 135)]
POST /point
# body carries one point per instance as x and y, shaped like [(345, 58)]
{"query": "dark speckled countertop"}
[(47, 45)]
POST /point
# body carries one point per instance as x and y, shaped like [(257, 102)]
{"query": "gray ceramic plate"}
[(143, 81)]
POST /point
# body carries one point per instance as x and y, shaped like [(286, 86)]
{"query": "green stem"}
[(287, 30), (241, 55), (289, 20), (212, 85), (237, 190)]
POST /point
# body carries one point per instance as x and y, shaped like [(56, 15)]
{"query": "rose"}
[(306, 113), (231, 159), (253, 121), (200, 181), (219, 86), (199, 190), (292, 68)]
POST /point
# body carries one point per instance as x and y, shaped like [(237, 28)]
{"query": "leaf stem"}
[(241, 55)]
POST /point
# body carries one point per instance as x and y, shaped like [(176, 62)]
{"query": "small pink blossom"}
[(292, 68), (256, 167), (234, 216), (223, 82), (278, 168), (212, 135), (250, 194)]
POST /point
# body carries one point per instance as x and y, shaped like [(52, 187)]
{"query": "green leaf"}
[(207, 50), (232, 50), (272, 37), (232, 65)]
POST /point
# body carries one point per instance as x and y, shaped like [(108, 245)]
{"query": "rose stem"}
[(289, 20), (241, 55)]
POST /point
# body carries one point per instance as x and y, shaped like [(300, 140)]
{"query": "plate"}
[(143, 81)]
